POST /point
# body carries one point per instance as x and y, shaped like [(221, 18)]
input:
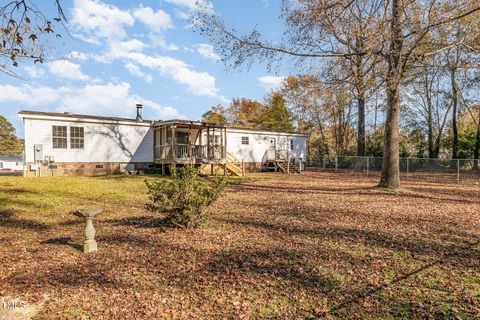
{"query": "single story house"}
[(11, 164), (74, 144)]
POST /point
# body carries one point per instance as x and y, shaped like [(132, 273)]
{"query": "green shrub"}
[(185, 197)]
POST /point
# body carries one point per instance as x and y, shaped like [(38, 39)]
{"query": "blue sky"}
[(122, 52)]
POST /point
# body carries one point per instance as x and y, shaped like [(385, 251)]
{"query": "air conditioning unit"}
[(49, 159)]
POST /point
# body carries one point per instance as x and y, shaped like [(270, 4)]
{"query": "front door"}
[(272, 148)]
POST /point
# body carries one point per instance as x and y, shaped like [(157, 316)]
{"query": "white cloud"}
[(182, 14), (67, 69), (198, 83), (77, 55), (99, 20), (108, 23), (192, 5), (271, 82), (34, 71), (157, 21), (28, 95), (164, 112), (118, 49), (109, 99), (158, 41), (122, 48), (137, 72), (207, 52)]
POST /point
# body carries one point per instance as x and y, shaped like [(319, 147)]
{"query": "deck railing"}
[(187, 152)]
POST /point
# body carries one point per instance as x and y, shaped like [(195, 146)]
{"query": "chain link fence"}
[(12, 166), (423, 169)]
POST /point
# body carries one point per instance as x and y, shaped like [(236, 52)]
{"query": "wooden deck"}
[(189, 142)]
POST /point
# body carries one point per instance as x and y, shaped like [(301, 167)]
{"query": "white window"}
[(59, 137), (215, 139), (245, 140), (76, 137)]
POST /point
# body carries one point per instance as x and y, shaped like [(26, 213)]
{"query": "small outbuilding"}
[(11, 166)]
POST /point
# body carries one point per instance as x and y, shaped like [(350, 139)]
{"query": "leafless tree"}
[(24, 32), (393, 31)]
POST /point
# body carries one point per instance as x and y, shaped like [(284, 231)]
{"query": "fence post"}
[(336, 162), (458, 171), (367, 165), (324, 164)]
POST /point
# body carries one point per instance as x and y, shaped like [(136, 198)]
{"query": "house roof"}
[(266, 131), (77, 116), (24, 113), (188, 123), (215, 125)]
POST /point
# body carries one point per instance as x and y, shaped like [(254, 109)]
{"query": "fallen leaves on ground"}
[(318, 245)]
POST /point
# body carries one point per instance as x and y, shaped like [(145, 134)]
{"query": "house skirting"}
[(108, 168), (83, 168), (249, 168)]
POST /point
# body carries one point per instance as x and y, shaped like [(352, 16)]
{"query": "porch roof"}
[(188, 123)]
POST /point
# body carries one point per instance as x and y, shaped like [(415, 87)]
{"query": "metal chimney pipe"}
[(139, 112)]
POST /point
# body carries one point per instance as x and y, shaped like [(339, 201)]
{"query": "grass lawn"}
[(319, 245)]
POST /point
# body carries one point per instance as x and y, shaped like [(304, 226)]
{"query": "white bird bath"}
[(89, 214)]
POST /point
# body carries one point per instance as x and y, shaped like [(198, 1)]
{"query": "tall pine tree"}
[(10, 145)]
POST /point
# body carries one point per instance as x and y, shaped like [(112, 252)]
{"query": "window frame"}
[(243, 139), (77, 141), (56, 138)]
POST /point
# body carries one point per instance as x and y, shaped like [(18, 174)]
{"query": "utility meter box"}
[(38, 152)]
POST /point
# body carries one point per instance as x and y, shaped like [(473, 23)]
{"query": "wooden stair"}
[(233, 166), (286, 167)]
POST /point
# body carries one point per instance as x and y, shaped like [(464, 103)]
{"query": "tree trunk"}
[(454, 113), (431, 148), (324, 139), (476, 151), (390, 177), (360, 87), (361, 137)]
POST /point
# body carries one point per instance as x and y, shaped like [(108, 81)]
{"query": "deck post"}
[(221, 143), (208, 142), (163, 169), (155, 143), (174, 154), (225, 142), (214, 144), (211, 169), (164, 155)]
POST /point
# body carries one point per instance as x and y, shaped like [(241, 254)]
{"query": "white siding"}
[(12, 165), (258, 145), (104, 142)]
